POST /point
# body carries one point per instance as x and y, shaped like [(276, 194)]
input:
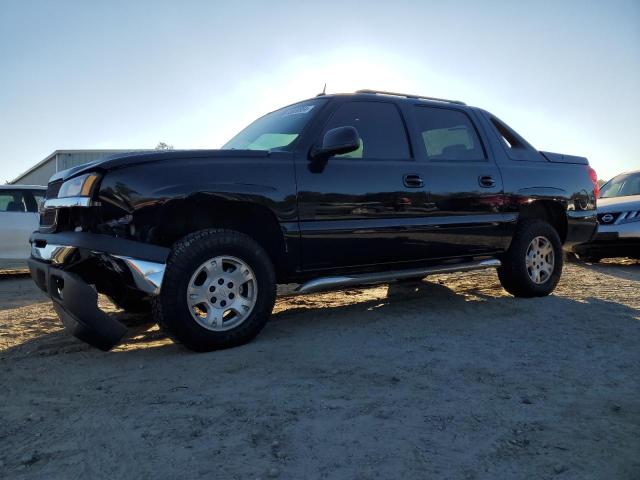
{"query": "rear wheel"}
[(218, 291), (533, 264)]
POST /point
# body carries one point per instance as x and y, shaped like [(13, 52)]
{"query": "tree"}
[(164, 146)]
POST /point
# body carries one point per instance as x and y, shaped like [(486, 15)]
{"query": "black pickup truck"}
[(333, 191)]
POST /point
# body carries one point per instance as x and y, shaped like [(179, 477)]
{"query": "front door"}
[(361, 208)]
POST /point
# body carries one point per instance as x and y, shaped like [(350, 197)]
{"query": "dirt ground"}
[(449, 378)]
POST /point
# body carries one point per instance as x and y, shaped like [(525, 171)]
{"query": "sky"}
[(129, 74)]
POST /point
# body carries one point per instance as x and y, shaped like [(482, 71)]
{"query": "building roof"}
[(18, 187), (79, 150)]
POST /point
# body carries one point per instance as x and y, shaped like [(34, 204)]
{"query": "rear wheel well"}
[(550, 211), (180, 218)]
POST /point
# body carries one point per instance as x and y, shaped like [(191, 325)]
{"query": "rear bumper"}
[(73, 267), (581, 228)]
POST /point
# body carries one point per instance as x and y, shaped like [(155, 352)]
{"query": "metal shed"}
[(59, 160)]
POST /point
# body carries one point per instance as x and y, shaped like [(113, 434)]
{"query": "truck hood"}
[(135, 158), (618, 204)]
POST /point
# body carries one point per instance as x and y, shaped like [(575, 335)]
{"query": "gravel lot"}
[(445, 378)]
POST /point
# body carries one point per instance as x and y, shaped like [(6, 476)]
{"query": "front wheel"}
[(218, 290), (533, 264)]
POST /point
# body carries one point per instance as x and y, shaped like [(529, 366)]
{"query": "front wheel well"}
[(183, 217), (550, 211)]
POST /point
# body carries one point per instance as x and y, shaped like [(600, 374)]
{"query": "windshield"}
[(622, 186), (276, 130)]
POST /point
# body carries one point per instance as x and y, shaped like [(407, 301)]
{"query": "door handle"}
[(486, 181), (412, 180)]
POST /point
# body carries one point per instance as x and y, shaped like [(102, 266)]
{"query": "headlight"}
[(81, 186)]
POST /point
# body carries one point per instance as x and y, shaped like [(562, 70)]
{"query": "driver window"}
[(379, 125)]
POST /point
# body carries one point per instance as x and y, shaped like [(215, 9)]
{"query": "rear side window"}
[(448, 135), (12, 201), (380, 127)]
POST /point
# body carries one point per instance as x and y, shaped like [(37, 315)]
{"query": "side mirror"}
[(337, 141)]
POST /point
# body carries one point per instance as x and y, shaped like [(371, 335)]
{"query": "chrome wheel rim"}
[(222, 293), (540, 260)]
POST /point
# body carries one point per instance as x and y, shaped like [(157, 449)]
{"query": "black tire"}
[(513, 273), (171, 310)]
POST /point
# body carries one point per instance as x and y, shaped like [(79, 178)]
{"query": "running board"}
[(329, 283)]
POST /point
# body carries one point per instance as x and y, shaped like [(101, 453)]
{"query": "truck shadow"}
[(618, 267), (418, 308)]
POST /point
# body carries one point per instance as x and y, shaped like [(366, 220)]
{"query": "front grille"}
[(608, 218), (53, 189), (49, 216)]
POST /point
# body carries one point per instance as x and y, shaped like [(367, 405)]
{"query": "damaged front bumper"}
[(73, 267)]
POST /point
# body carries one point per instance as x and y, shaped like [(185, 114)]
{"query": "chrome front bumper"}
[(55, 254), (69, 202), (146, 275)]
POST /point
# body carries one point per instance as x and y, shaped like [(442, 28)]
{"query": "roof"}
[(78, 150), (408, 96), (393, 96)]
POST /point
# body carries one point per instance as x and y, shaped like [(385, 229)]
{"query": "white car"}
[(618, 220), (19, 217)]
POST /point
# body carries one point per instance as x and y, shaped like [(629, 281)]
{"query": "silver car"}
[(618, 220), (18, 219)]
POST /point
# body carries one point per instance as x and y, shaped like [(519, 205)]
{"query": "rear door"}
[(361, 208), (18, 219), (465, 190)]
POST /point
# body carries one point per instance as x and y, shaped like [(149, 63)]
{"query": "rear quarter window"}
[(513, 144)]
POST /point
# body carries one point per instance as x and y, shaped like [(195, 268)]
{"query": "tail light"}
[(594, 179)]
